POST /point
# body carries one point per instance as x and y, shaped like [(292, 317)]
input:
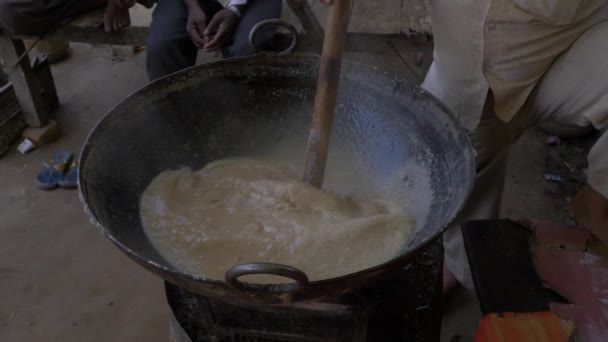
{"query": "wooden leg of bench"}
[(42, 70), (32, 95)]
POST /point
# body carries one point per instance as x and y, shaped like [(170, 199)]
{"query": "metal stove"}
[(406, 307)]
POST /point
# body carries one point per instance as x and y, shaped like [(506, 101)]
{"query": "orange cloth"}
[(522, 327)]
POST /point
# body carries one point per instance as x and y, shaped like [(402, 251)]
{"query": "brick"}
[(42, 135)]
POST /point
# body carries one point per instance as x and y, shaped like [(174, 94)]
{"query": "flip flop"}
[(69, 180), (53, 170)]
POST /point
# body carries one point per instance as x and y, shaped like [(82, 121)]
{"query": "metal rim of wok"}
[(271, 293)]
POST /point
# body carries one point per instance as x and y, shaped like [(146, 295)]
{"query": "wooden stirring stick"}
[(327, 91)]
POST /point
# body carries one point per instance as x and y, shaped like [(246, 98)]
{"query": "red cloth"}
[(557, 235), (590, 320), (578, 276), (574, 264)]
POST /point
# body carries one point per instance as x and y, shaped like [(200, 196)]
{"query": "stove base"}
[(406, 307)]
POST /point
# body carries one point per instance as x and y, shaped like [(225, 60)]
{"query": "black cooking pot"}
[(392, 135)]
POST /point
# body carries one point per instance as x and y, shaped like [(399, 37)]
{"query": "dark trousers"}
[(170, 48)]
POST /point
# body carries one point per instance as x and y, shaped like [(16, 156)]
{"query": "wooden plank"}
[(11, 120), (88, 28), (8, 102), (96, 35), (10, 130), (3, 76), (25, 83), (44, 76), (355, 42), (90, 19)]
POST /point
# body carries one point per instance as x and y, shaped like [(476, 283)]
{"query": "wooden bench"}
[(34, 85), (32, 80)]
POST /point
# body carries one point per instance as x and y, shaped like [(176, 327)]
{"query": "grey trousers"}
[(36, 17), (170, 48)]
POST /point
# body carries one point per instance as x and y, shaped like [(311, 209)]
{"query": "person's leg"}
[(491, 141), (492, 138), (257, 10), (31, 17), (169, 48), (572, 98)]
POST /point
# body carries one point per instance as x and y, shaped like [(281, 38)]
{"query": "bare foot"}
[(115, 18)]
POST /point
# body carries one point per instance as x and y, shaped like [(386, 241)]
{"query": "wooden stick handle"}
[(327, 91)]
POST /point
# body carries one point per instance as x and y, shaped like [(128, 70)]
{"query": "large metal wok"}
[(389, 134)]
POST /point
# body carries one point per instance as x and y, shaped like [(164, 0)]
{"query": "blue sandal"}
[(54, 169), (69, 180)]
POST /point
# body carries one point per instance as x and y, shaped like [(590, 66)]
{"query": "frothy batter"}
[(236, 210)]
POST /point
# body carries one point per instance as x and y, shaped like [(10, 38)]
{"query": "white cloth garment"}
[(504, 65)]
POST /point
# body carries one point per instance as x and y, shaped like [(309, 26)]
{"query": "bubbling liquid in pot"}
[(235, 211)]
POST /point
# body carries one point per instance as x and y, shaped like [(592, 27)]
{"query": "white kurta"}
[(506, 46), (542, 62)]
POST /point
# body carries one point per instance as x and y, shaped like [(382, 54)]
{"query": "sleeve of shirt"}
[(597, 175), (236, 3)]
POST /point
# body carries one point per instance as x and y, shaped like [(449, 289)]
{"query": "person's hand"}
[(219, 31), (196, 25), (589, 209)]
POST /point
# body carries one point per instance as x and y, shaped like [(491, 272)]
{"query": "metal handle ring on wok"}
[(301, 279), (274, 22)]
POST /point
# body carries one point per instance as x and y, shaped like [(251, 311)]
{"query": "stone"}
[(42, 135)]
